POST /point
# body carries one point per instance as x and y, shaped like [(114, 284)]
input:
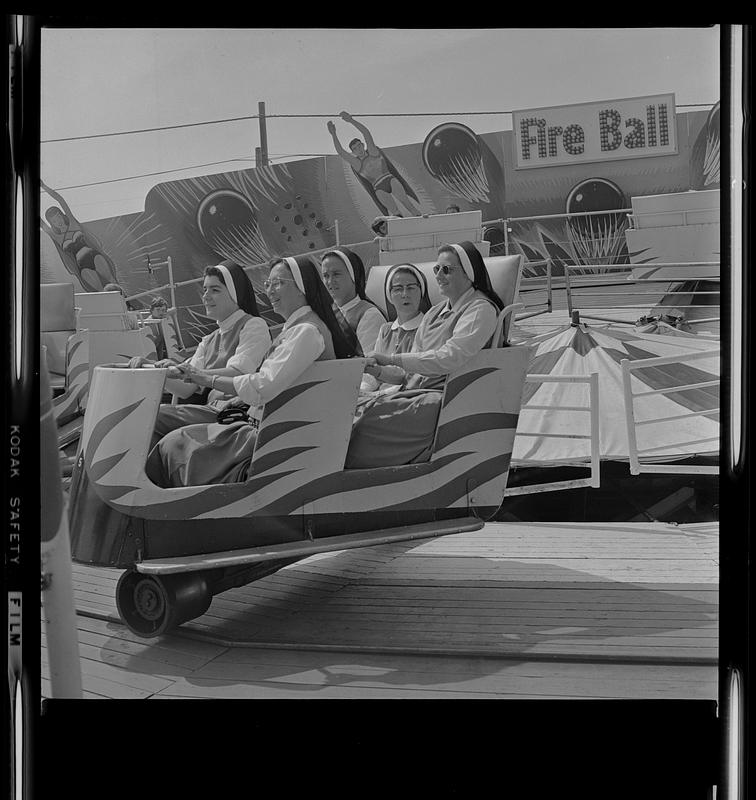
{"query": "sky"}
[(98, 81)]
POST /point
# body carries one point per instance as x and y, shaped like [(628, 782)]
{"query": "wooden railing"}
[(594, 480), (636, 453)]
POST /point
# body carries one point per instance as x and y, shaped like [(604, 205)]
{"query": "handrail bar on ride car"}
[(572, 286), (636, 467), (546, 307)]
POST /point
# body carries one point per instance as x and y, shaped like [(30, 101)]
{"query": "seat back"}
[(165, 331), (117, 347), (70, 403), (505, 272), (478, 420), (507, 286), (54, 343), (101, 311), (307, 426), (418, 238), (57, 324)]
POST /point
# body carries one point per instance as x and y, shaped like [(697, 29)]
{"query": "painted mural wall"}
[(286, 209)]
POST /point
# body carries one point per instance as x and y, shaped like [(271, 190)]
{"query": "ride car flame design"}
[(72, 401), (302, 445)]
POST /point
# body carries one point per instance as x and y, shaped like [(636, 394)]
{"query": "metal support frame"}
[(636, 467), (566, 215), (548, 303), (594, 481), (168, 262), (571, 291), (568, 289), (171, 286), (507, 223)]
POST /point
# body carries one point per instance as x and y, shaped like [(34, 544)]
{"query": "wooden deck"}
[(519, 610)]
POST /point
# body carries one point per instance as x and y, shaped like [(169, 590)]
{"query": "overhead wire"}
[(191, 166), (151, 174), (271, 157), (301, 116)]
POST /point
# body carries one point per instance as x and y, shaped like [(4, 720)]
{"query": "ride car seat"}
[(57, 325)]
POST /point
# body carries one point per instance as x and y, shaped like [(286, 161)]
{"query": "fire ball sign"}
[(635, 127)]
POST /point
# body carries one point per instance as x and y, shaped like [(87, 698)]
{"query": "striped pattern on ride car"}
[(299, 464)]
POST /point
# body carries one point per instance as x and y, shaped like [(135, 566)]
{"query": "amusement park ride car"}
[(181, 546)]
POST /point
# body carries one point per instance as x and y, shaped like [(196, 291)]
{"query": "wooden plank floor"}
[(513, 610)]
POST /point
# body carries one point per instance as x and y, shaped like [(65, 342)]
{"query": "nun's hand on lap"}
[(234, 402), (381, 359)]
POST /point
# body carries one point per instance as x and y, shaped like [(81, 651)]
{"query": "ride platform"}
[(550, 610)]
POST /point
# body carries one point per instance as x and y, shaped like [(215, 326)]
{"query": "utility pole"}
[(263, 159)]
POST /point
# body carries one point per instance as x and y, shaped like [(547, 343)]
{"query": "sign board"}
[(609, 130)]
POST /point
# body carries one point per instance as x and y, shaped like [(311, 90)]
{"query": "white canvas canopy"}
[(584, 349)]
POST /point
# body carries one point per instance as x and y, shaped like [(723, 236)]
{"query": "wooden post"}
[(568, 289), (632, 443), (170, 280), (593, 402), (263, 135)]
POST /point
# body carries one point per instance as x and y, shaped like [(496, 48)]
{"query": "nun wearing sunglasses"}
[(398, 428), (235, 347)]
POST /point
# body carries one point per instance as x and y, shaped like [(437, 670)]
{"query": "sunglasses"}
[(445, 268)]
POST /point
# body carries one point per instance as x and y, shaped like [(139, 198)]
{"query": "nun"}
[(344, 276), (235, 347), (406, 291), (202, 454), (399, 428)]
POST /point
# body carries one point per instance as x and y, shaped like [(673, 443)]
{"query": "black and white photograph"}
[(381, 363)]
